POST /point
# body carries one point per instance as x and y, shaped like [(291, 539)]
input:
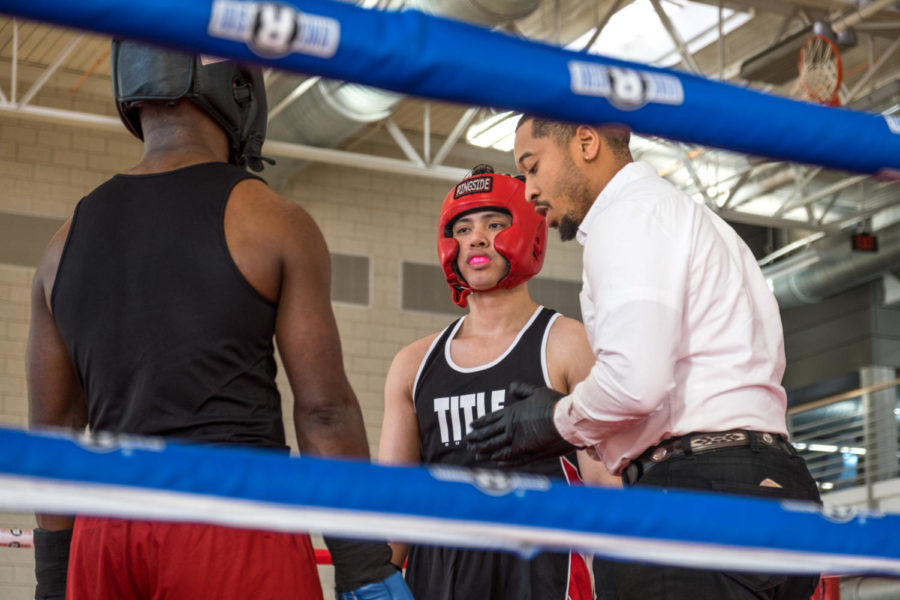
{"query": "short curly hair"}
[(617, 138)]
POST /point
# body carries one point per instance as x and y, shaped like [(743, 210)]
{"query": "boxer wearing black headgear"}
[(160, 321), (234, 95)]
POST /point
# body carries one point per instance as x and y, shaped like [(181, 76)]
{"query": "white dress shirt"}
[(686, 333)]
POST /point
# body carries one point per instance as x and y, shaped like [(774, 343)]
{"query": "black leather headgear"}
[(232, 94)]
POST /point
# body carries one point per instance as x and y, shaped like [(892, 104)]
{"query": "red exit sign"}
[(864, 242)]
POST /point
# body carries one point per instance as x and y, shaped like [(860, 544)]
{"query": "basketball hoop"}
[(821, 71)]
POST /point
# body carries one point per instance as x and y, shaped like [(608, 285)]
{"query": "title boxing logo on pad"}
[(624, 88), (893, 122), (273, 30), (476, 185), (491, 482)]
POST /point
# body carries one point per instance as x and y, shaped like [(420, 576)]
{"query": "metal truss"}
[(739, 188)]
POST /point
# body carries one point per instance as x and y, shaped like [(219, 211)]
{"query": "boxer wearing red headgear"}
[(490, 242), (522, 244)]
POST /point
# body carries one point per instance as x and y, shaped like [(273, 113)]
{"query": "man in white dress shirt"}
[(686, 388)]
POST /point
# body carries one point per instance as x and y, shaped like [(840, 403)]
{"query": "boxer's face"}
[(478, 262), (553, 183)]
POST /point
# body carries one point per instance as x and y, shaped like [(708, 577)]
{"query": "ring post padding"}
[(158, 480), (428, 56)]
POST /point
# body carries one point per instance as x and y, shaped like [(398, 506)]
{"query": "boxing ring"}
[(154, 479), (435, 58)]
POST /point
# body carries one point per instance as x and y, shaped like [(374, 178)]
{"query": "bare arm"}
[(570, 359), (400, 442), (279, 249), (281, 252), (55, 397), (327, 415)]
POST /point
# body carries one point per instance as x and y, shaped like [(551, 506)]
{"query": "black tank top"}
[(447, 398), (167, 336)]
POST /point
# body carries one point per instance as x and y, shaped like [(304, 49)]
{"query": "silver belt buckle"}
[(659, 454)]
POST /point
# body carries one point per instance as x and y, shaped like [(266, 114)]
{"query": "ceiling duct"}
[(834, 270), (776, 64), (879, 100), (330, 112)]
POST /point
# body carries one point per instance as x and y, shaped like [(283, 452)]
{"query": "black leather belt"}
[(698, 443)]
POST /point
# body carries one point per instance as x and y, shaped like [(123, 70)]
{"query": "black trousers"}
[(737, 470)]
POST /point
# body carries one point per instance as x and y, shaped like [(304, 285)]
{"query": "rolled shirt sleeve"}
[(686, 334), (632, 301)]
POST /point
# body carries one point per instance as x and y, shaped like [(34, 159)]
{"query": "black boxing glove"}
[(357, 563), (522, 432), (51, 563)]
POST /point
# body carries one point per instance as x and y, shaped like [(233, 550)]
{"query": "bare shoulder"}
[(406, 362), (569, 355), (565, 332), (45, 275), (401, 376), (254, 199), (57, 243), (273, 240)]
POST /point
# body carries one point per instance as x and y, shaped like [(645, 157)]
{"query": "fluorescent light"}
[(497, 131), (830, 448), (856, 451), (822, 448)]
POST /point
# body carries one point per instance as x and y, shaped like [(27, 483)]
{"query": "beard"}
[(568, 226), (574, 186)]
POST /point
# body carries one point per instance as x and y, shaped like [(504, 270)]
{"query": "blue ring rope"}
[(428, 56), (431, 57), (519, 512)]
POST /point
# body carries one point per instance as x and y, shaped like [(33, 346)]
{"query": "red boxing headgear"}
[(522, 244)]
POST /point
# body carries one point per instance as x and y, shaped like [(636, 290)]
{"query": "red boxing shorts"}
[(112, 559)]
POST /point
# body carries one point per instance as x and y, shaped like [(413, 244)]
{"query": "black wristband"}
[(51, 562), (357, 563)]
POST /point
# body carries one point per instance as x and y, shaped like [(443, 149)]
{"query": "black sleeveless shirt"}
[(447, 398), (167, 336)]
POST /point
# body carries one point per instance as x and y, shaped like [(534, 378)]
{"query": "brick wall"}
[(46, 168), (16, 565), (16, 572), (15, 286)]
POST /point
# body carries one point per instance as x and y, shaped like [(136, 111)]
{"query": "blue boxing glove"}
[(363, 571), (392, 588)]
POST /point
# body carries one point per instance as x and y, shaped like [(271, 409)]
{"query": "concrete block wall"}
[(16, 565), (46, 168)]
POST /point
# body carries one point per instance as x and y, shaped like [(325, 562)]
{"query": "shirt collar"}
[(626, 175)]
